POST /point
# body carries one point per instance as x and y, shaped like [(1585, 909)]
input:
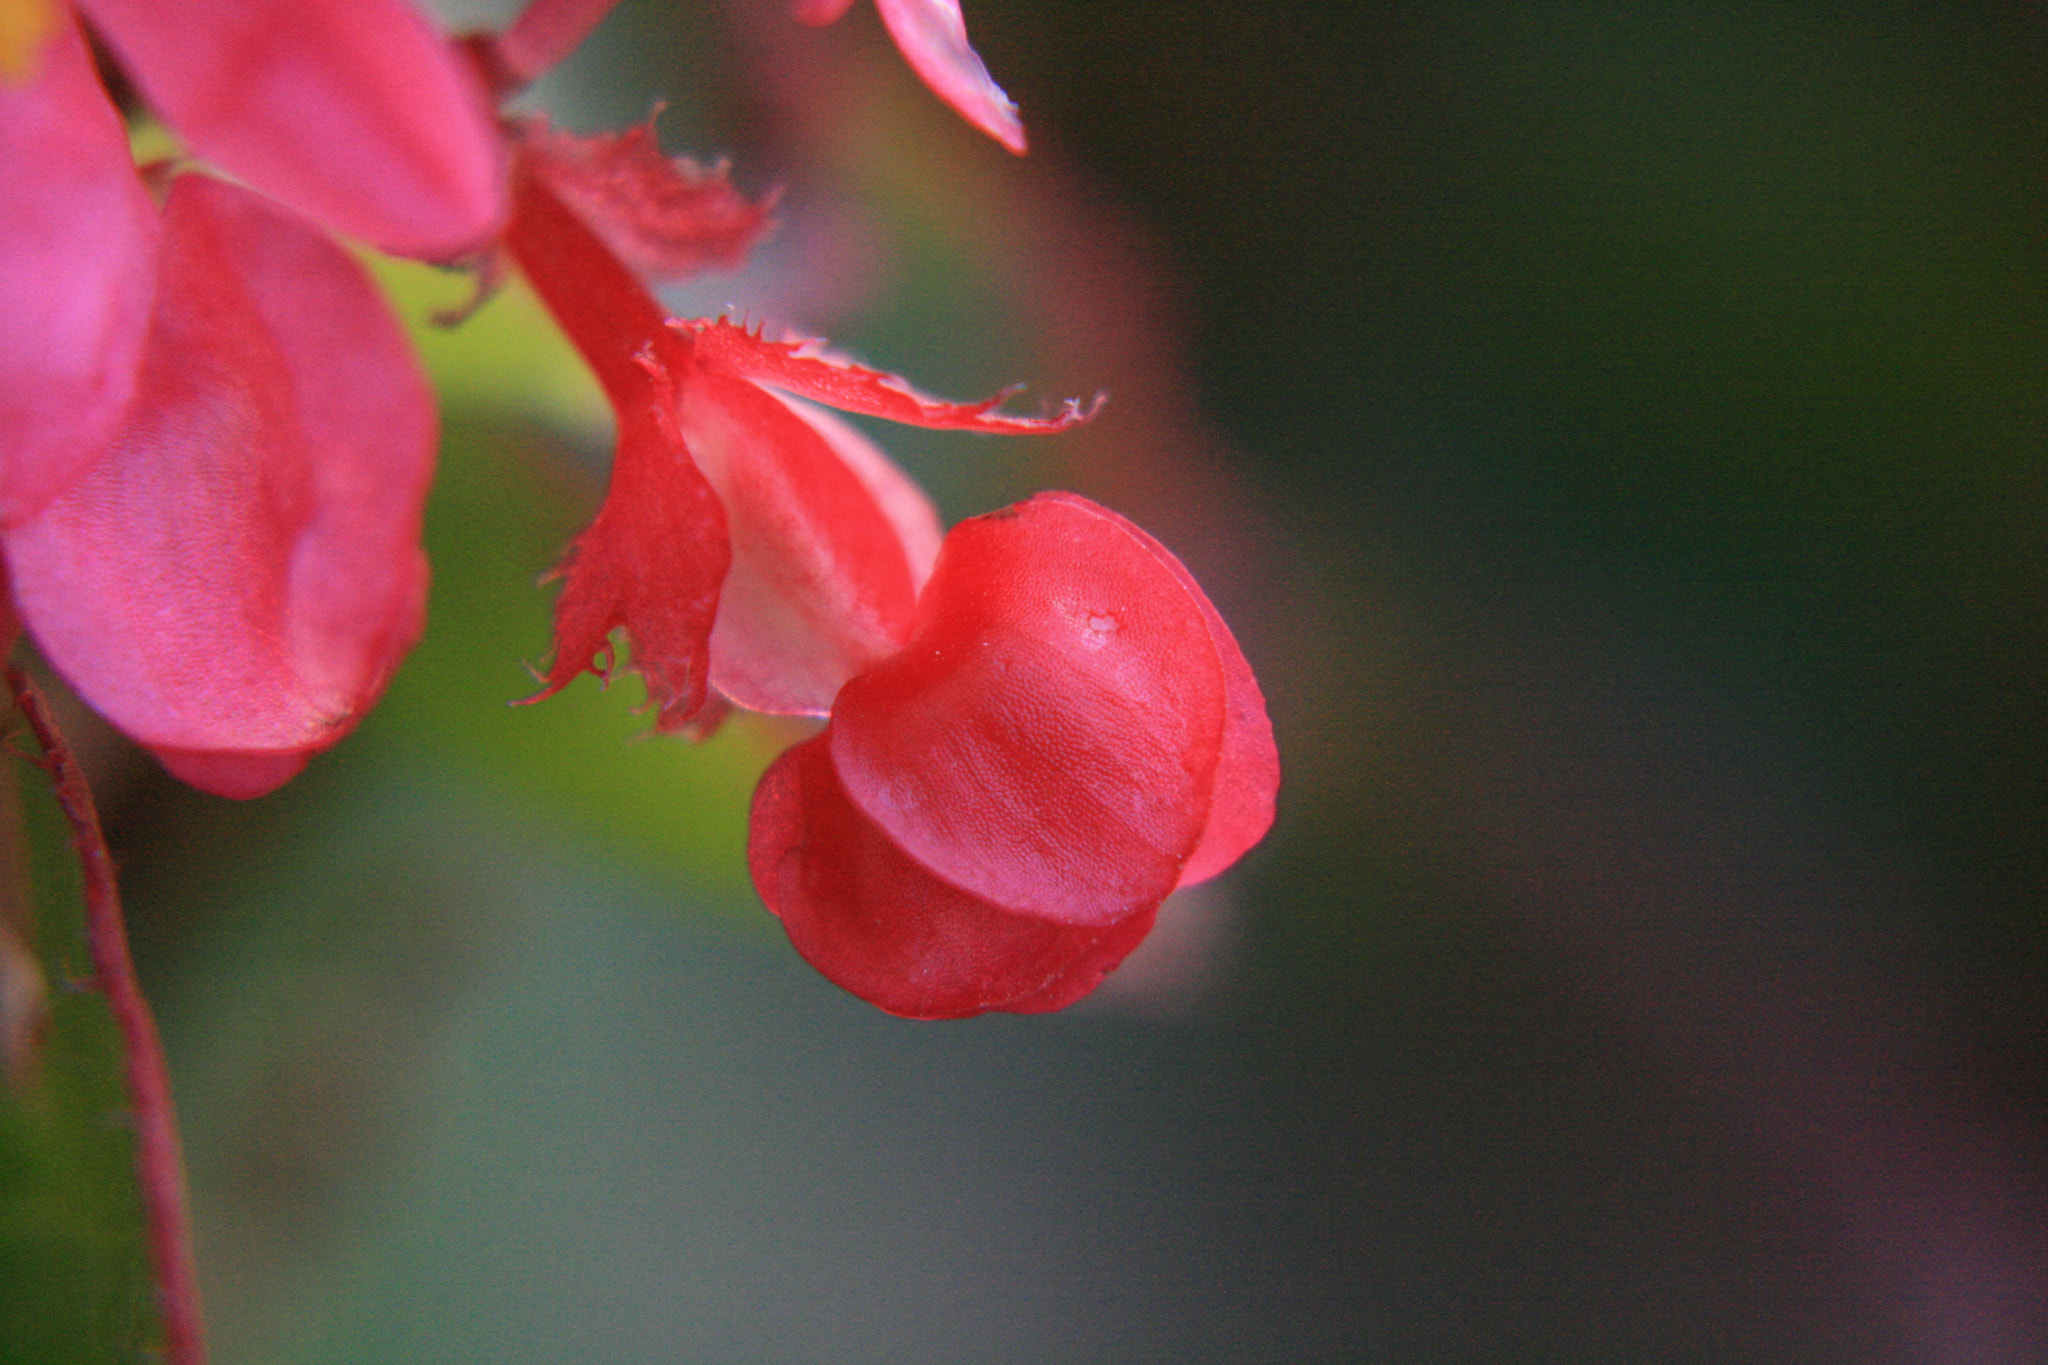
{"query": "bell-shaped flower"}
[(996, 810), (932, 36), (235, 578), (1036, 733)]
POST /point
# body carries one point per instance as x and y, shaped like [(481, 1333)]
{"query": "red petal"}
[(666, 219), (1048, 739), (933, 39), (821, 583), (77, 273), (882, 927), (797, 367), (354, 112), (236, 580), (652, 561), (650, 564), (1248, 771)]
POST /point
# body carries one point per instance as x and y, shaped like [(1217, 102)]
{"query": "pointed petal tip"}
[(932, 37)]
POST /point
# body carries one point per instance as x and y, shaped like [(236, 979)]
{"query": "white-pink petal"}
[(933, 39)]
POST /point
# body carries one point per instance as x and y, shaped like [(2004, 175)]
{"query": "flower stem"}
[(607, 313), (159, 1165)]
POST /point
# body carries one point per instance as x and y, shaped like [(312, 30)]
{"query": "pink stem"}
[(159, 1166)]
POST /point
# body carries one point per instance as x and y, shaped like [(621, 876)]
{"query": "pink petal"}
[(821, 582), (665, 219), (1048, 739), (933, 39), (910, 512), (798, 367), (77, 273), (354, 112), (873, 921), (233, 584), (545, 32)]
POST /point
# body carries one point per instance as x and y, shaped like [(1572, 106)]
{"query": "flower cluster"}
[(215, 446), (214, 440)]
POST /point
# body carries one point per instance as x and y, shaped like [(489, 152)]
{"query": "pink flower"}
[(214, 440)]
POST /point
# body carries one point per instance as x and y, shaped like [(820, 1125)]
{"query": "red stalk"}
[(608, 314), (159, 1164)]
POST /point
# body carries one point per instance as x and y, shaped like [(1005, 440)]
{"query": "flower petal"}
[(650, 564), (1048, 739), (879, 925), (77, 274), (910, 512), (667, 219), (822, 582), (1248, 768), (235, 581), (798, 367), (933, 39), (652, 561), (356, 113)]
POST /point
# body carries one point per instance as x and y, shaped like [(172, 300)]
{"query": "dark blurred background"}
[(1617, 434)]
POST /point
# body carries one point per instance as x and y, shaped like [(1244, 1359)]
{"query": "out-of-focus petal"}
[(1048, 739), (799, 367), (233, 584), (666, 219), (879, 925), (819, 12), (356, 113), (933, 39), (821, 583), (78, 240), (545, 32)]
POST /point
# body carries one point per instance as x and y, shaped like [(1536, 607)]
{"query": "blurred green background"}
[(1617, 434)]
